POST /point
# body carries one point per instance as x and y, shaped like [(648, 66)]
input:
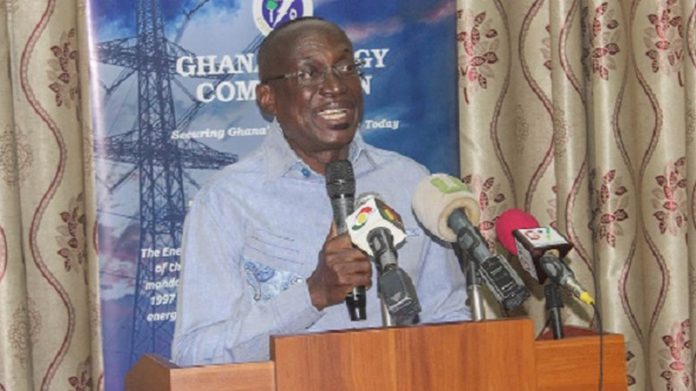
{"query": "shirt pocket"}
[(271, 264), (274, 249)]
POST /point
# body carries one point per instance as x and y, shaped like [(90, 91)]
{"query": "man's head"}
[(310, 84)]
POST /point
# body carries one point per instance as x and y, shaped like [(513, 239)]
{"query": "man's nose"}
[(332, 82)]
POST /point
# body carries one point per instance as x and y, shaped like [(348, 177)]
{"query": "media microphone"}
[(340, 186), (539, 249), (448, 210), (377, 229)]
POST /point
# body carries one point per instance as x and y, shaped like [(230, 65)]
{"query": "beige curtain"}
[(582, 113), (49, 322)]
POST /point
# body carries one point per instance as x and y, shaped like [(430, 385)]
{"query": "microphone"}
[(371, 213), (377, 229), (448, 210), (340, 186), (539, 250)]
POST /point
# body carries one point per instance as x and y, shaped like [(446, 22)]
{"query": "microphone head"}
[(340, 180), (436, 197), (520, 234), (509, 221), (363, 198), (370, 214)]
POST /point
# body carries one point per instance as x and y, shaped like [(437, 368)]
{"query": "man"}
[(261, 255)]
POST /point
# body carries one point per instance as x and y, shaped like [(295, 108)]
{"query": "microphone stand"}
[(473, 285), (387, 320), (554, 303), (398, 298)]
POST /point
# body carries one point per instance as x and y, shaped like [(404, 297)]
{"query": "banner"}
[(173, 91)]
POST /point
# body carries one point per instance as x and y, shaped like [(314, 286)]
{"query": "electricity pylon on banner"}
[(161, 162)]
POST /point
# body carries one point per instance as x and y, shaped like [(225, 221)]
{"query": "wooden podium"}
[(490, 355)]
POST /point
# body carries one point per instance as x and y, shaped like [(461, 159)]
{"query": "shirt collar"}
[(281, 160)]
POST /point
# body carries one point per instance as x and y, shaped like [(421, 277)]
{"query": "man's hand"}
[(340, 268)]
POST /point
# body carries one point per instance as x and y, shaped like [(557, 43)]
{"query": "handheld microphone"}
[(377, 229), (539, 250), (340, 186), (448, 210)]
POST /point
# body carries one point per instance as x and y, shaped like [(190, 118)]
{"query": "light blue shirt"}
[(253, 235)]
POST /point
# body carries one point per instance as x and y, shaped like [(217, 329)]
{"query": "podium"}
[(490, 355)]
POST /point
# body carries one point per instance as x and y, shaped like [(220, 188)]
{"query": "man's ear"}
[(265, 99)]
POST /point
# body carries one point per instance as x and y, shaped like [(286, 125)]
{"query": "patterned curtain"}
[(582, 113), (49, 322)]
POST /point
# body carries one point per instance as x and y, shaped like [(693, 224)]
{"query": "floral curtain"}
[(582, 113), (49, 323)]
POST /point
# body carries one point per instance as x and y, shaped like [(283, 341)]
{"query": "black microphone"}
[(377, 229), (539, 250), (445, 207), (340, 185)]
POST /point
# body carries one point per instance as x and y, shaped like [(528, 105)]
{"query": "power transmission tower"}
[(161, 162)]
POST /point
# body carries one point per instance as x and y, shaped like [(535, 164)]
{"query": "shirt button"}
[(305, 172)]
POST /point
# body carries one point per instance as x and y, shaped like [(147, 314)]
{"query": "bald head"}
[(282, 41)]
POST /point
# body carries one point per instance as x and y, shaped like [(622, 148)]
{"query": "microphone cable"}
[(600, 330)]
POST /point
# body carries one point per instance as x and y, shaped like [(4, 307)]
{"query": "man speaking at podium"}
[(261, 255)]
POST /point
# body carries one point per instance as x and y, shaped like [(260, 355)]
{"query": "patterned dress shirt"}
[(253, 235)]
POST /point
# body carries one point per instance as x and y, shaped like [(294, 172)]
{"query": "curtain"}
[(49, 322), (582, 113)]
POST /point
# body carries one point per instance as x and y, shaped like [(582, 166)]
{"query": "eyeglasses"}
[(311, 76)]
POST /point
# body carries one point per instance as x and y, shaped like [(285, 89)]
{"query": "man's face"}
[(322, 117)]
